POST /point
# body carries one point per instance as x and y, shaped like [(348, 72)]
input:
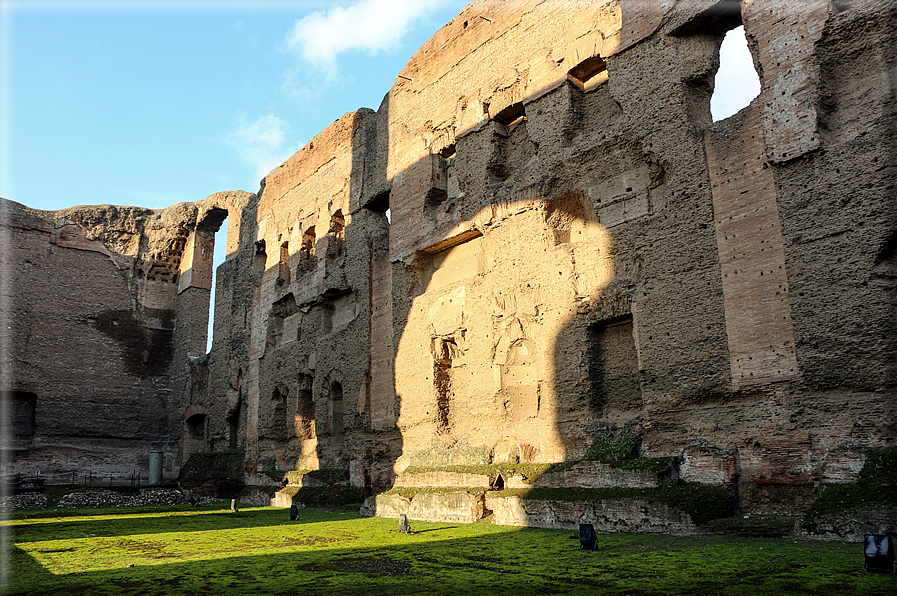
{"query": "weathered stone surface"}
[(574, 249), (613, 515), (850, 526), (97, 354), (443, 479), (590, 474), (456, 507)]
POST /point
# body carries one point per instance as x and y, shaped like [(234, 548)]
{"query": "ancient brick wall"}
[(574, 247), (89, 341), (104, 311)]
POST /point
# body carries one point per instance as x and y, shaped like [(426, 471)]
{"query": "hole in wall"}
[(335, 403), (589, 73), (510, 113), (233, 428), (612, 364), (24, 407), (336, 235), (196, 427), (736, 82), (380, 204), (283, 270), (308, 242), (307, 259), (219, 255)]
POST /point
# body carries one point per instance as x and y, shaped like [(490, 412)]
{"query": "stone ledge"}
[(850, 526), (612, 515), (443, 479), (454, 506), (594, 474)]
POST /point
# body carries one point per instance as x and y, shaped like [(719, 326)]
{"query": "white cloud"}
[(737, 82), (368, 25), (262, 144)]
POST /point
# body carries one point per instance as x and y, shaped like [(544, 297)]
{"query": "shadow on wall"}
[(542, 282), (513, 341)]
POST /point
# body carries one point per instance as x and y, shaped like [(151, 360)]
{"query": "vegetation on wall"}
[(875, 487)]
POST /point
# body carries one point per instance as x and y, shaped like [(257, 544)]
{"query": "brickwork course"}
[(573, 246)]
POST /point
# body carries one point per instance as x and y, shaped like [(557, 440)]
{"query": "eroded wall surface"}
[(105, 308), (540, 237), (574, 247)]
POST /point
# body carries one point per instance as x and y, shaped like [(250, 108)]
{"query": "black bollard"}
[(588, 540)]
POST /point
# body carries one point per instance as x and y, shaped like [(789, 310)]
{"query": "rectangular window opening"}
[(589, 73), (510, 114)]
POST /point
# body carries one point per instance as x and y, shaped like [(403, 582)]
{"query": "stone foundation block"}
[(457, 506), (614, 515), (443, 479)]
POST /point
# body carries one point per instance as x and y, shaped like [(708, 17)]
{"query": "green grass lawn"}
[(209, 550)]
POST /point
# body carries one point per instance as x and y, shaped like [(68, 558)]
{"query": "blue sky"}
[(154, 103), (150, 103)]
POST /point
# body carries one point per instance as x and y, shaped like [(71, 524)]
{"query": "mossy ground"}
[(179, 550)]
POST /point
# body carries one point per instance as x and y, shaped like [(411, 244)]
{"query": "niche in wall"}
[(612, 364)]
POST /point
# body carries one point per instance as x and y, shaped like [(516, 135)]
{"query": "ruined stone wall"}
[(572, 247), (575, 246), (105, 307)]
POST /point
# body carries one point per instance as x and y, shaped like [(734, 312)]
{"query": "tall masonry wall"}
[(103, 309), (541, 237)]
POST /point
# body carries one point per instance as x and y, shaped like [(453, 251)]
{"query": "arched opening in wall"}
[(260, 258), (335, 414), (196, 427), (307, 258), (511, 145), (380, 204), (452, 184), (510, 114), (308, 242), (589, 73), (737, 82)]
